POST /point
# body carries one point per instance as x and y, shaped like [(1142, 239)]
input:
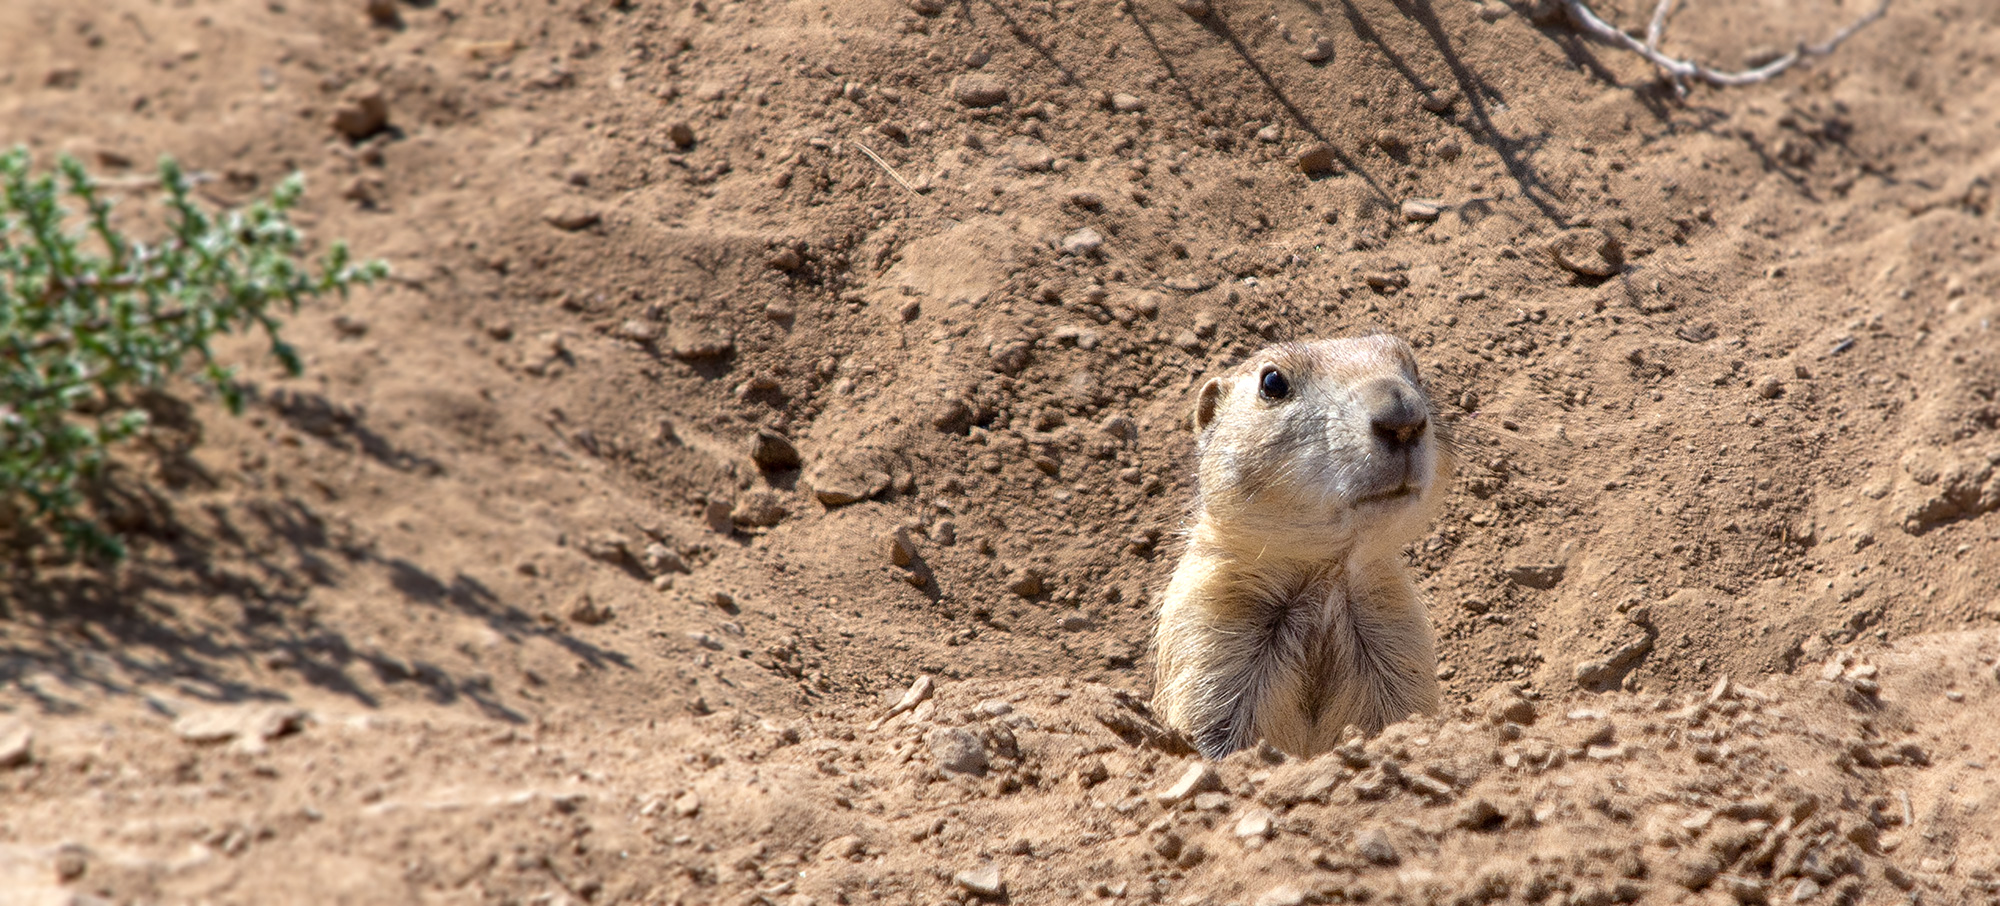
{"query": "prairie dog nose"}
[(1394, 411)]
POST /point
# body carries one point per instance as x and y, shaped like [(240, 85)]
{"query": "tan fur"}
[(1290, 614)]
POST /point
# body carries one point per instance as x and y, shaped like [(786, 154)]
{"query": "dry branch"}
[(1679, 71)]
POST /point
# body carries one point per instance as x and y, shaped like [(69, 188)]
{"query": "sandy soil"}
[(565, 573)]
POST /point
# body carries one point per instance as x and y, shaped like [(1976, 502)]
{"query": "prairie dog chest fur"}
[(1290, 614)]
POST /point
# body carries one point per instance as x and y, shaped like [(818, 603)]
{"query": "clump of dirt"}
[(755, 483)]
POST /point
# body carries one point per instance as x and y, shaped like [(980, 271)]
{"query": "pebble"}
[(759, 509), (362, 113), (785, 258), (979, 91), (687, 805), (658, 559), (772, 451), (1196, 8), (1074, 622), (1270, 135), (1770, 387), (1282, 895), (1373, 844), (1478, 815), (1026, 582), (691, 343), (983, 881), (384, 13), (1084, 243), (571, 214), (17, 740), (252, 724), (1127, 103), (1257, 822), (1536, 575), (897, 544), (1318, 160), (1199, 777), (1319, 51), (1588, 251), (681, 134), (958, 750), (586, 611), (1422, 210)]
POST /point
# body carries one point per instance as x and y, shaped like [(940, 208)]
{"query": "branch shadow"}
[(216, 599)]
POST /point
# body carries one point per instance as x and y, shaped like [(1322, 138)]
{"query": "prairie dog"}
[(1290, 614)]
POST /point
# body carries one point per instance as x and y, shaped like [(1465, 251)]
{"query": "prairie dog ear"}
[(1206, 402)]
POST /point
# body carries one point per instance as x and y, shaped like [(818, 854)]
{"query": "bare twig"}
[(1682, 71), (1659, 23), (877, 158)]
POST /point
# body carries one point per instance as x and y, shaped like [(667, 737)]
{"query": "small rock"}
[(1196, 8), (572, 214), (221, 724), (17, 740), (1318, 50), (772, 451), (1536, 575), (362, 113), (638, 331), (1807, 889), (785, 258), (1257, 822), (1127, 103), (1282, 895), (1390, 141), (687, 805), (1385, 282), (691, 343), (952, 416), (1511, 709), (1478, 815), (759, 509), (842, 488), (659, 559), (1087, 200), (1318, 160), (1199, 777), (1084, 243), (1770, 387), (958, 750), (983, 881), (681, 134), (1026, 582), (1696, 870), (1588, 251), (1421, 210), (979, 91), (1270, 135), (1747, 890), (63, 77), (927, 7), (72, 860), (1074, 622), (1373, 844), (1591, 674), (901, 551), (588, 612), (384, 13)]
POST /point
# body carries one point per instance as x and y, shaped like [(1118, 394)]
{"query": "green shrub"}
[(90, 316)]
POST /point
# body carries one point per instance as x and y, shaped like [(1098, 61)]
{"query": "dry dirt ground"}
[(507, 601)]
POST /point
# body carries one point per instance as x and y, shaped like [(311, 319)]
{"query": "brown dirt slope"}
[(506, 600)]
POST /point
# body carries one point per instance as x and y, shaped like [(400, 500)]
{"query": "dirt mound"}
[(746, 362)]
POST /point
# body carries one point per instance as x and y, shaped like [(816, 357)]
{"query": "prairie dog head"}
[(1309, 448)]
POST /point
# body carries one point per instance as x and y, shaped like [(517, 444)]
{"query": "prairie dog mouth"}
[(1404, 491)]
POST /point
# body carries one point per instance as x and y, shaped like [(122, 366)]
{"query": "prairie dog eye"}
[(1271, 384)]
